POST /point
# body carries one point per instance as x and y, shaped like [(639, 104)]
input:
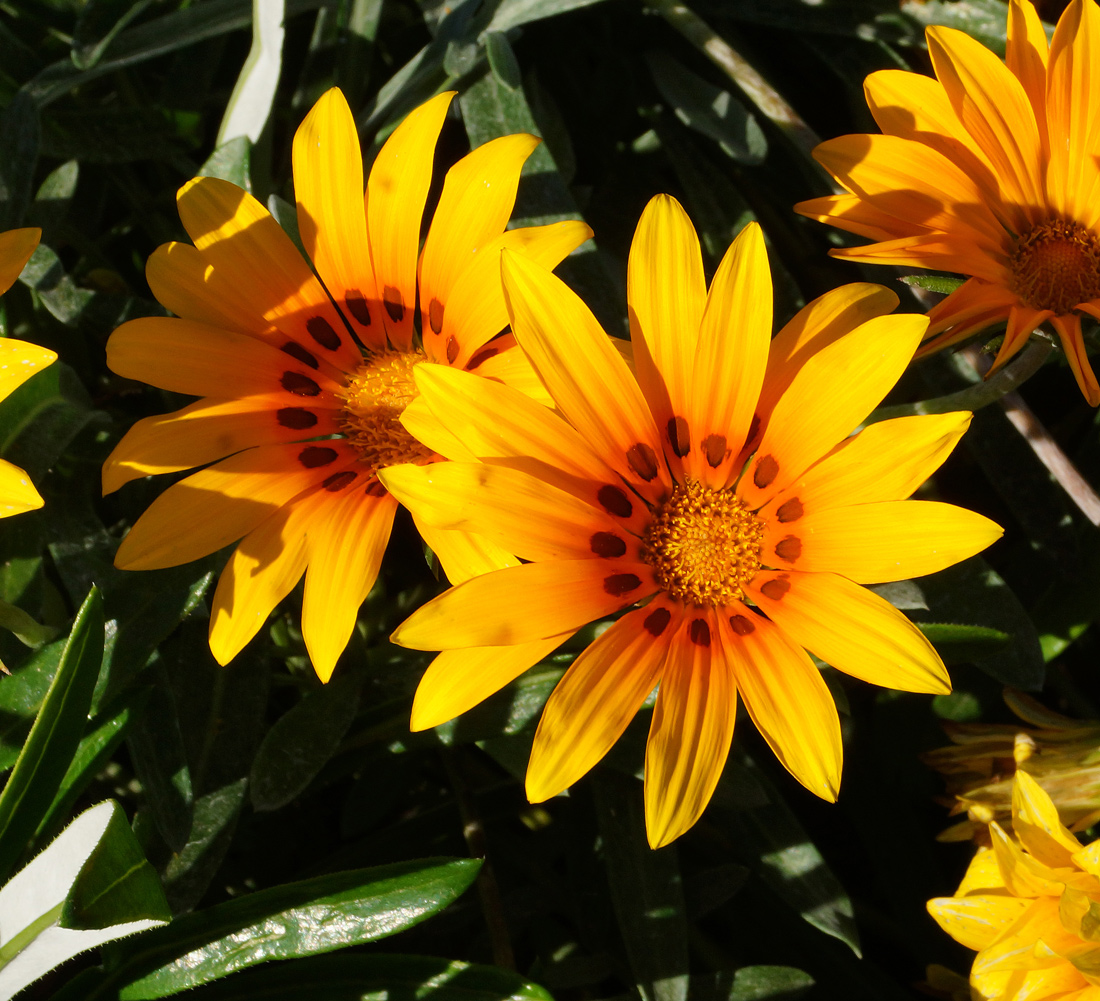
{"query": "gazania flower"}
[(1058, 752), (303, 383), (991, 171), (18, 362), (1028, 905), (715, 496)]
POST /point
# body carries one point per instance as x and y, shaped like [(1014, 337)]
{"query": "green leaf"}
[(55, 736), (357, 977), (53, 198), (285, 922), (710, 110), (19, 138), (301, 741), (753, 983), (28, 632), (645, 889), (59, 293), (249, 105), (98, 24), (513, 13), (962, 644), (933, 283), (502, 60), (984, 20), (231, 162), (21, 696), (505, 713)]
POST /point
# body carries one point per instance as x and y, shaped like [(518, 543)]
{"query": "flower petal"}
[(19, 360), (599, 695), (508, 364), (852, 629), (1073, 344), (853, 215), (689, 738), (938, 252), (525, 603), (978, 921), (1026, 54), (396, 192), (16, 247), (464, 554), (832, 393), (879, 542), (345, 548), (332, 220), (17, 493), (218, 505), (457, 680), (1036, 824), (1022, 320), (786, 697)]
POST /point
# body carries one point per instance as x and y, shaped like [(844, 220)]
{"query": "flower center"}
[(375, 397), (704, 545), (1056, 266)]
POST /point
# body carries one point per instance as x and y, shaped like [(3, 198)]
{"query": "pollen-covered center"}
[(703, 545), (1056, 266), (375, 397)]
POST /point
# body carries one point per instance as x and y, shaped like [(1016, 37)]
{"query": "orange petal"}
[(1073, 344), (16, 247), (853, 215), (1022, 320), (948, 252), (1026, 55), (525, 603), (689, 738), (599, 695), (852, 629)]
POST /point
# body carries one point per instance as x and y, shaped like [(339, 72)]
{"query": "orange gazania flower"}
[(18, 362), (715, 495), (1029, 906), (303, 383), (990, 171)]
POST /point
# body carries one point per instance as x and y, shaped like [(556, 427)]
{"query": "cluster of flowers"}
[(702, 479)]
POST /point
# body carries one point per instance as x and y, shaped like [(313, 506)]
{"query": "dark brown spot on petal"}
[(435, 316), (714, 448), (297, 418), (483, 355), (642, 460), (321, 331), (313, 456), (742, 625), (699, 632), (775, 588), (607, 544), (394, 303), (375, 488), (295, 350), (298, 384), (789, 549), (790, 510), (337, 481), (615, 501), (767, 469), (452, 349), (357, 306), (678, 435), (657, 621), (621, 583)]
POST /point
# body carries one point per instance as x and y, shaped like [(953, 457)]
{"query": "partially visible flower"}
[(1030, 906), (305, 380), (1061, 754), (18, 362), (991, 171), (717, 492)]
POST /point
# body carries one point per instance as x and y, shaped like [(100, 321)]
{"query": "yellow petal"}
[(941, 252), (730, 360), (976, 921), (832, 393), (1026, 55), (345, 549), (1036, 824), (599, 695), (666, 292), (786, 698), (585, 375), (209, 430), (17, 493), (982, 875), (502, 360), (19, 360), (474, 311), (464, 554), (16, 247), (875, 543), (525, 603), (332, 220), (689, 738), (457, 680), (1023, 875), (396, 192), (525, 515), (240, 239), (852, 629), (218, 505)]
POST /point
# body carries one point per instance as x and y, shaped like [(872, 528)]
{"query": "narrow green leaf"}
[(502, 60), (933, 283), (98, 24), (55, 736), (755, 983), (513, 13), (25, 628), (958, 644), (231, 161), (249, 105), (19, 138)]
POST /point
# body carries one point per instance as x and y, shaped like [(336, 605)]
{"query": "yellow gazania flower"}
[(18, 362), (303, 383), (990, 171), (643, 490), (1030, 907)]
